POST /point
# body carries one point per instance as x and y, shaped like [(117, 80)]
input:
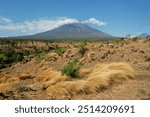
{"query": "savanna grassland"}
[(32, 69)]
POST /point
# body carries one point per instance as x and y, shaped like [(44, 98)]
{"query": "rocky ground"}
[(21, 80)]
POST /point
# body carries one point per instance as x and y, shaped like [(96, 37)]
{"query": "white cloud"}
[(95, 21), (41, 25), (4, 20), (36, 26)]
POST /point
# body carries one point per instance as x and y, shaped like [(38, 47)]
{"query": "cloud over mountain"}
[(95, 21), (41, 25)]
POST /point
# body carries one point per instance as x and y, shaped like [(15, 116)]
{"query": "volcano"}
[(72, 31)]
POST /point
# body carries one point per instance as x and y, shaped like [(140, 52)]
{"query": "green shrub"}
[(26, 52), (13, 43), (2, 61), (35, 49), (9, 52), (82, 48), (9, 56), (72, 69), (59, 50), (40, 56), (17, 57), (49, 48), (1, 57)]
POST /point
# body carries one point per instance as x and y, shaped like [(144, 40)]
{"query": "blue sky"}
[(116, 17)]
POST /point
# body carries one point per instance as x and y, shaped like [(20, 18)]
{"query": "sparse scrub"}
[(26, 52), (59, 50), (10, 56), (42, 73), (13, 43), (17, 57), (117, 41), (35, 49), (82, 48), (72, 69), (2, 57), (40, 56), (49, 48), (2, 61)]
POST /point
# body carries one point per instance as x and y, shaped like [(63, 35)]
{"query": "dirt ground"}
[(20, 80)]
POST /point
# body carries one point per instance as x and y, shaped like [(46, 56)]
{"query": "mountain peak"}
[(72, 31)]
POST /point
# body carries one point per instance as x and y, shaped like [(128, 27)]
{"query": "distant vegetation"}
[(15, 40), (11, 50)]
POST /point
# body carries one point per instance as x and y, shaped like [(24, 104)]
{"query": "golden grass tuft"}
[(4, 88), (3, 79), (50, 77), (13, 80), (112, 72), (98, 78), (84, 72)]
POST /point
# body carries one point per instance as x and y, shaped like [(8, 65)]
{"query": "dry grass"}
[(4, 88), (97, 78), (50, 77), (93, 79), (3, 79), (39, 79)]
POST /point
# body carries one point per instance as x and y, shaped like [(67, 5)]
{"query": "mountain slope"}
[(72, 31), (143, 35)]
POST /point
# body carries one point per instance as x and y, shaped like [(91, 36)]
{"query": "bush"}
[(9, 56), (1, 57), (47, 49), (35, 49), (9, 52), (82, 48), (59, 50), (26, 52), (72, 69), (41, 56), (17, 57)]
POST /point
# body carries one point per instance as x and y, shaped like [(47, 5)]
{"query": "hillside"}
[(144, 35), (109, 70)]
